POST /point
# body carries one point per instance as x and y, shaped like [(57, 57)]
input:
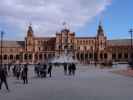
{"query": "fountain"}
[(64, 58), (67, 55)]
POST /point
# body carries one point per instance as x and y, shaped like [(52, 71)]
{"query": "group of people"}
[(42, 70), (69, 69), (20, 71)]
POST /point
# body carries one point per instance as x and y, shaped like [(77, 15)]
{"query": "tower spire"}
[(30, 30), (66, 28), (100, 31), (100, 21)]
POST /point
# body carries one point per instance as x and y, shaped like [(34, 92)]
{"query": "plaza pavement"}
[(87, 84)]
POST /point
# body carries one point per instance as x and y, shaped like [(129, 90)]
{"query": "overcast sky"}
[(47, 16)]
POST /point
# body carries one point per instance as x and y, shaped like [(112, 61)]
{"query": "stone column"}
[(109, 56), (33, 58), (79, 56), (116, 55), (84, 58)]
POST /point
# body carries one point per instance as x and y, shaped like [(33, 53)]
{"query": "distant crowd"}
[(20, 71)]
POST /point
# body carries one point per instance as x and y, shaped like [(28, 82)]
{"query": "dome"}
[(65, 30)]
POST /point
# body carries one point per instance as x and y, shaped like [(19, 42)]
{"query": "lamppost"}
[(131, 53), (2, 33), (93, 55), (131, 33)]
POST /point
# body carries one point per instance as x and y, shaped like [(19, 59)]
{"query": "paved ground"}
[(88, 84), (127, 72)]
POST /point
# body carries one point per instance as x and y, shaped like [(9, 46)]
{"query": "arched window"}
[(30, 56), (11, 57), (79, 48), (83, 41), (131, 55), (46, 48), (126, 55), (39, 48), (45, 56), (86, 56), (40, 56), (72, 47), (80, 41), (90, 55), (82, 56), (119, 55), (59, 47), (95, 56), (105, 56), (17, 57), (65, 47), (36, 57), (25, 57), (78, 56), (5, 57), (114, 56), (0, 57), (101, 56)]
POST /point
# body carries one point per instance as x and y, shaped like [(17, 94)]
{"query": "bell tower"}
[(101, 38), (30, 39), (30, 31)]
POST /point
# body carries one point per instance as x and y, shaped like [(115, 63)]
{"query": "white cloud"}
[(47, 15)]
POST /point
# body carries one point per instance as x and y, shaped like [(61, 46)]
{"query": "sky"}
[(81, 16)]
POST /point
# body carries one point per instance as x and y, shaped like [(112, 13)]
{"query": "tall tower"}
[(100, 31), (101, 38), (30, 31), (30, 39)]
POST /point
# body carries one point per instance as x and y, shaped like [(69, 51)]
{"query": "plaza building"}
[(84, 49)]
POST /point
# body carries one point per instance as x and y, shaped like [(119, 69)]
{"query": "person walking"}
[(44, 70), (50, 70), (18, 71), (70, 69), (24, 74), (65, 68), (39, 70), (73, 68), (36, 70), (14, 70), (3, 78), (9, 67)]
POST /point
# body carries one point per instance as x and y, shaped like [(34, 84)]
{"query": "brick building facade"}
[(84, 49)]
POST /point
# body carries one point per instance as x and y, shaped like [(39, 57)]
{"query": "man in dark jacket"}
[(25, 73), (65, 68), (50, 69), (73, 68), (3, 80), (70, 69)]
